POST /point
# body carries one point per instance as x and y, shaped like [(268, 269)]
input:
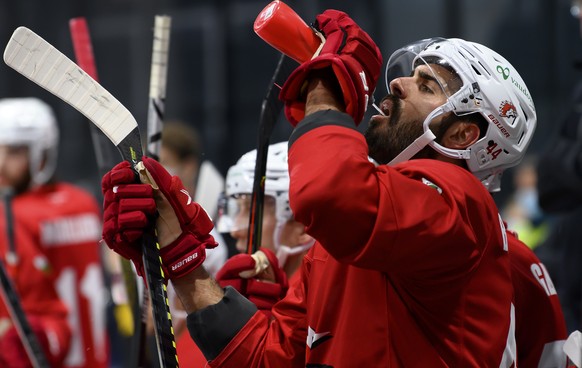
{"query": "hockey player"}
[(411, 263), (56, 228), (281, 235), (283, 240)]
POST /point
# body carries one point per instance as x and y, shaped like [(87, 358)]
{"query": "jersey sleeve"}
[(234, 334), (410, 218)]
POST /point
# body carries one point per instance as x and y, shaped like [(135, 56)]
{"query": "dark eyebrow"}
[(427, 76)]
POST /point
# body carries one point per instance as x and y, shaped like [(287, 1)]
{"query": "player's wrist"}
[(322, 95), (197, 290), (185, 254)]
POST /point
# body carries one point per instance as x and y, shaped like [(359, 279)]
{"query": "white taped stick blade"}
[(210, 185), (36, 59), (573, 348)]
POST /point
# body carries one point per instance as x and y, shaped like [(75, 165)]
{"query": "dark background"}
[(219, 69)]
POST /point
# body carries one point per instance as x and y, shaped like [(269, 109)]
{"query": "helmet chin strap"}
[(428, 138), (283, 251), (41, 172)]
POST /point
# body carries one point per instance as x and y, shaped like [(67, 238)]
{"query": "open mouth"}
[(386, 106)]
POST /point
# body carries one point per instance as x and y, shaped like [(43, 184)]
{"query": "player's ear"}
[(461, 134)]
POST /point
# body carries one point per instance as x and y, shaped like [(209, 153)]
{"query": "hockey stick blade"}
[(36, 59), (208, 188), (39, 61), (270, 110), (104, 154)]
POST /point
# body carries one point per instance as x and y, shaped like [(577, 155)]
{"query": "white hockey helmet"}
[(240, 179), (31, 122), (487, 84)]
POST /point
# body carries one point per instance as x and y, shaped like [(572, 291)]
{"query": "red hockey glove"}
[(258, 277), (13, 354), (183, 227), (127, 207), (355, 60)]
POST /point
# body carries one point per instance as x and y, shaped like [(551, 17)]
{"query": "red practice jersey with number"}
[(62, 225), (411, 267)]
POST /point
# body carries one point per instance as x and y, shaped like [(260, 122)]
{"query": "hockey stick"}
[(158, 76), (209, 186), (11, 300), (86, 60), (270, 110), (39, 61), (156, 107), (282, 28)]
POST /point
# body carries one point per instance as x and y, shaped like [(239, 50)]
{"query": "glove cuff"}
[(185, 254)]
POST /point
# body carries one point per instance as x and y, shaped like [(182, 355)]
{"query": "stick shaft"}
[(158, 77), (12, 301), (270, 110), (84, 55), (156, 107)]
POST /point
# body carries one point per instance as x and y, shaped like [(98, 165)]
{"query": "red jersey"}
[(189, 355), (540, 326), (62, 223), (33, 279), (411, 267)]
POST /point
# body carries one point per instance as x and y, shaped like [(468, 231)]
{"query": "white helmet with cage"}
[(31, 122), (239, 181), (240, 178), (486, 83)]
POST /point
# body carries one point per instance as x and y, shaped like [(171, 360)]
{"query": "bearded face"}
[(411, 100), (386, 139), (14, 167)]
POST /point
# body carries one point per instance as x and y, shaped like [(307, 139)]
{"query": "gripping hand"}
[(127, 209), (354, 58), (183, 226), (258, 277)]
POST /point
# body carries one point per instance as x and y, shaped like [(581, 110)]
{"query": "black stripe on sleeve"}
[(319, 119), (213, 327)]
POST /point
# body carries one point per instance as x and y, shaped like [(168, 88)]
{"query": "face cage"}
[(229, 209)]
